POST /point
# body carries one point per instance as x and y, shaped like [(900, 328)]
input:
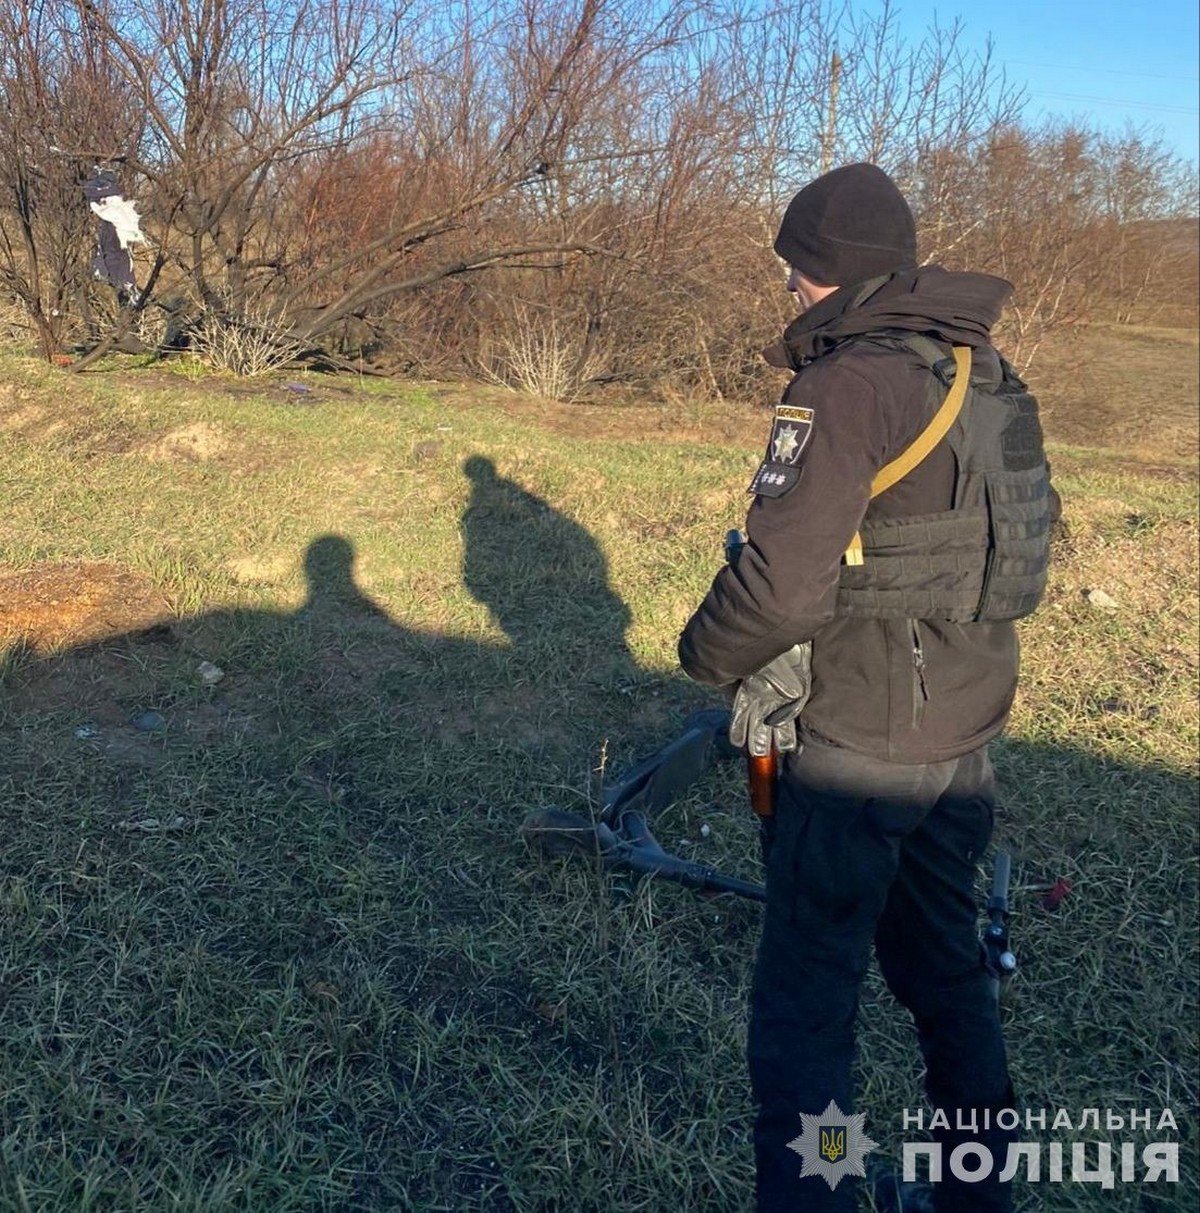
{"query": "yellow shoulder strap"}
[(895, 471)]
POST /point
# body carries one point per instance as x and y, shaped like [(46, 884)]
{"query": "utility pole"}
[(829, 136)]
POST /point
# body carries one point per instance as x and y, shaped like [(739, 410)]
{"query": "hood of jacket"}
[(959, 308)]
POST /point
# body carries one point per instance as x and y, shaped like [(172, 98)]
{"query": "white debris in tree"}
[(124, 217)]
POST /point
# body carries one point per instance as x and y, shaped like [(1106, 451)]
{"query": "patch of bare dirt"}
[(24, 418), (255, 570), (195, 443), (52, 605)]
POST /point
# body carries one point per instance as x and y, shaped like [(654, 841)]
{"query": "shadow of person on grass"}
[(339, 790), (544, 580), (332, 589)]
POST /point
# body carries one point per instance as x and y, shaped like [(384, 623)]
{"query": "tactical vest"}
[(984, 560)]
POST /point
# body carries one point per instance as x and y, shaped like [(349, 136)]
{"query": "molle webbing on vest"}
[(1016, 575), (895, 471), (984, 560)]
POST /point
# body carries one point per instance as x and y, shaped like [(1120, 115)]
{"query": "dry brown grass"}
[(1134, 393)]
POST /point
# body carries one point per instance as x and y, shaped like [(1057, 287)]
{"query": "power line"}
[(1104, 71), (1145, 105)]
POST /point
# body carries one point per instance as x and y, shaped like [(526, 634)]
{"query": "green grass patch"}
[(287, 952)]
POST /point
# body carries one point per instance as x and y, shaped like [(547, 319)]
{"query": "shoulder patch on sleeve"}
[(780, 470), (790, 434)]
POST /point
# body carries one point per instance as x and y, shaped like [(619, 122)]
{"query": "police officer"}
[(904, 608)]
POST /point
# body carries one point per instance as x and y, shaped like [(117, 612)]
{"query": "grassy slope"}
[(340, 983)]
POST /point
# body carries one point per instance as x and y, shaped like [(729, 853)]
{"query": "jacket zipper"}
[(920, 686)]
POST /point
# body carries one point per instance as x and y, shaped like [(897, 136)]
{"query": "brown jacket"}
[(865, 403)]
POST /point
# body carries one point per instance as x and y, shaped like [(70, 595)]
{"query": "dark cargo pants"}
[(872, 851)]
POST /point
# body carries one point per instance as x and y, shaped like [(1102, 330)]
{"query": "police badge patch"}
[(790, 433), (833, 1145), (780, 470)]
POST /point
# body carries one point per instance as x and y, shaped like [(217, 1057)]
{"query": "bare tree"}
[(1146, 228), (1078, 222), (444, 180), (58, 89), (475, 113)]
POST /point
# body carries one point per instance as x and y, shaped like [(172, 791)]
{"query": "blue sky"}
[(1108, 64)]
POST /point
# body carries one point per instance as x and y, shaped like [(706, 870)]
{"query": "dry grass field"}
[(268, 937)]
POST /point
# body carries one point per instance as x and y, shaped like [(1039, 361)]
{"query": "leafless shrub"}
[(15, 324), (1083, 228), (542, 353), (246, 343), (152, 328)]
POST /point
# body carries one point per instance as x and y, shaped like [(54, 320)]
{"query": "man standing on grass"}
[(907, 594)]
